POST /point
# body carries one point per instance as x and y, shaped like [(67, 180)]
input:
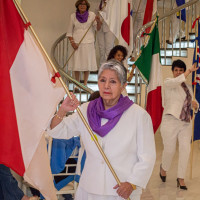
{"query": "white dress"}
[(129, 146), (84, 58)]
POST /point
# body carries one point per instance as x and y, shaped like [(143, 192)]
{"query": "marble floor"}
[(157, 190)]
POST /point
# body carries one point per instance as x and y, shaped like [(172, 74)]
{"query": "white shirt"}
[(174, 95), (77, 29)]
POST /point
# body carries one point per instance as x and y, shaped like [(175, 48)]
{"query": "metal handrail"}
[(61, 70), (64, 56), (175, 10)]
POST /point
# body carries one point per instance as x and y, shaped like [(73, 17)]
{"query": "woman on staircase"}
[(84, 58)]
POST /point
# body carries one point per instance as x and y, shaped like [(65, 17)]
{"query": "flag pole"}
[(130, 74), (145, 42), (68, 93), (193, 110)]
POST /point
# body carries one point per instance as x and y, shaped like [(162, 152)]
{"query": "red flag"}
[(28, 100)]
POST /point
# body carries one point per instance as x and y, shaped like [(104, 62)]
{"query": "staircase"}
[(179, 49), (59, 55), (136, 88)]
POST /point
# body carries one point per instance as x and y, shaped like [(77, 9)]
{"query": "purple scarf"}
[(96, 111), (82, 18)]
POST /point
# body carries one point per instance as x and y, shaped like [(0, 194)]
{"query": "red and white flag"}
[(117, 14), (150, 10), (28, 101)]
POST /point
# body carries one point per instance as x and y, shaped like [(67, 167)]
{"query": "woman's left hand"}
[(97, 18), (194, 105), (124, 190)]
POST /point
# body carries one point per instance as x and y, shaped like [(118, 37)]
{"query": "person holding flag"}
[(122, 128), (105, 37), (175, 22), (176, 121)]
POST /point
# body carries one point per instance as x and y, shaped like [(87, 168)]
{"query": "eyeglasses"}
[(83, 4)]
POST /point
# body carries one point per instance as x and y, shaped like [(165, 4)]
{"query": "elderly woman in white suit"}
[(176, 121), (124, 131)]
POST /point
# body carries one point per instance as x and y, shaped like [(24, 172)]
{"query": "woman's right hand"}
[(69, 104), (74, 45), (191, 69), (194, 67)]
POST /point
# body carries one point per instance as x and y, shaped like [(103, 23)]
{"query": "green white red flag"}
[(149, 65)]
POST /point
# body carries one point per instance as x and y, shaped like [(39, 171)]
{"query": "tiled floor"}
[(157, 190)]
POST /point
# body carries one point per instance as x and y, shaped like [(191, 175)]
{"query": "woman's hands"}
[(67, 105), (191, 69), (99, 23), (98, 20), (195, 105), (194, 67), (74, 45), (124, 190)]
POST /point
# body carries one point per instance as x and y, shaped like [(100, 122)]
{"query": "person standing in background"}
[(139, 7), (84, 58), (176, 121), (177, 29), (105, 37)]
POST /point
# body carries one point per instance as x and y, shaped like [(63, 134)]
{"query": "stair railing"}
[(59, 55), (165, 18), (177, 47)]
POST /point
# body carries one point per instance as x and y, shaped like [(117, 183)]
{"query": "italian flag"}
[(28, 101), (149, 65)]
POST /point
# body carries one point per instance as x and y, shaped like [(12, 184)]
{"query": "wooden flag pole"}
[(193, 110), (68, 93), (146, 41)]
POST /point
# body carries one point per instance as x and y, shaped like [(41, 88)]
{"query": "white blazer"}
[(174, 95), (129, 146), (77, 29)]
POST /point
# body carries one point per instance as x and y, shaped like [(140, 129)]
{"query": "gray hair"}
[(118, 67)]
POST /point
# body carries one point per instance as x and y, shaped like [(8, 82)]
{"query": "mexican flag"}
[(149, 65)]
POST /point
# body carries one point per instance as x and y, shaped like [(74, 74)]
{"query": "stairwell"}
[(136, 88)]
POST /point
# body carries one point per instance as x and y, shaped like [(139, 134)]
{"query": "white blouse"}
[(77, 29)]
